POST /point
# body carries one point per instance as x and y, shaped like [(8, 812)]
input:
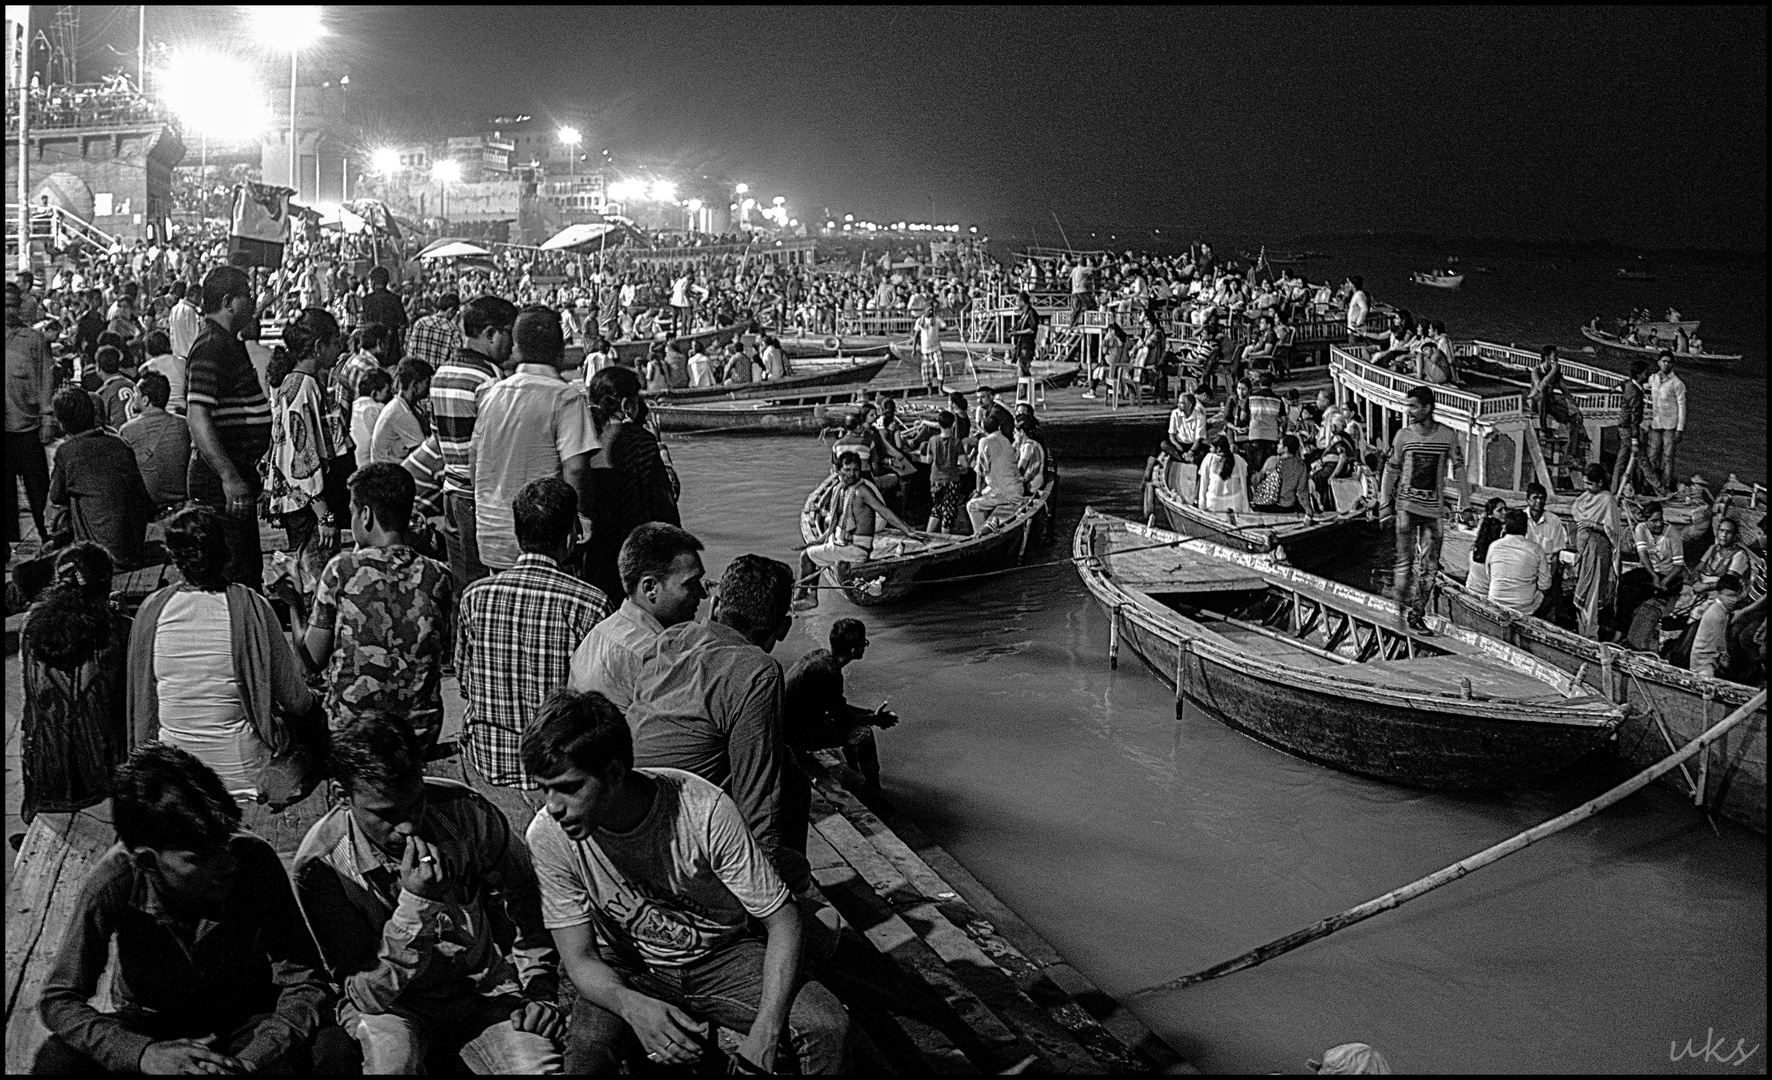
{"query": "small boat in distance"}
[(1327, 672), (1627, 274), (1439, 279), (1629, 348)]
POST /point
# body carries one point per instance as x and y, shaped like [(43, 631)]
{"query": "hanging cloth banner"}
[(261, 225)]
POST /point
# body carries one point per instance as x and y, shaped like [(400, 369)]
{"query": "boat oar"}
[(1457, 870)]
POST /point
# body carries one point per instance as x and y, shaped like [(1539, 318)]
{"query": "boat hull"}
[(1305, 546), (878, 582), (1654, 690), (774, 388), (1428, 741), (1625, 348), (1450, 282)]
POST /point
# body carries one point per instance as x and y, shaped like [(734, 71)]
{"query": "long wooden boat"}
[(1287, 537), (1666, 706), (809, 346), (633, 353), (1634, 275), (812, 373), (890, 578), (1664, 328), (1327, 672), (1618, 344), (1438, 281)]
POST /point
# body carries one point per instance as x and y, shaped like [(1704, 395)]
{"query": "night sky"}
[(1637, 125)]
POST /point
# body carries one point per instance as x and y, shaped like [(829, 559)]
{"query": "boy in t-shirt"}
[(648, 879), (374, 390), (379, 625), (1414, 487)]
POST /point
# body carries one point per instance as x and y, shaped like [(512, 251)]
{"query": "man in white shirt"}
[(1519, 575), (649, 882), (661, 569), (531, 425), (1546, 529), (1357, 307), (397, 431), (1187, 423), (927, 331), (1667, 418), (999, 480), (183, 324)]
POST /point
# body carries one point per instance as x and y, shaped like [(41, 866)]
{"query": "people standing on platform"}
[(457, 390), (1598, 529), (98, 482), (515, 639), (664, 582), (1414, 492), (650, 882), (1667, 420), (408, 883), (531, 425), (230, 421)]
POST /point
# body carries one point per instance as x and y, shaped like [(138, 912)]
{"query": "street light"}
[(213, 94), (385, 161), (569, 136), (290, 28), (445, 172), (743, 189)]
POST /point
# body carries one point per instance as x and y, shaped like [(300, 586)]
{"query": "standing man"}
[(662, 574), (927, 331), (1667, 419), (1357, 308), (230, 421), (457, 391), (1080, 290), (1546, 529), (30, 305), (184, 323), (383, 308), (683, 300), (1414, 491), (515, 638), (534, 424), (30, 417), (1023, 335), (437, 337), (1630, 463)]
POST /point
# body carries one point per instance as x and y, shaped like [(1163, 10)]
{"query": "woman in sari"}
[(1597, 528)]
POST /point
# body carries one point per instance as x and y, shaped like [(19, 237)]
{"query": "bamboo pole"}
[(1397, 897)]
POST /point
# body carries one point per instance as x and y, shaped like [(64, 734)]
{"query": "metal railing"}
[(1350, 362)]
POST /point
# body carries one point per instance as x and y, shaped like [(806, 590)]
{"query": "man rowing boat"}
[(850, 538)]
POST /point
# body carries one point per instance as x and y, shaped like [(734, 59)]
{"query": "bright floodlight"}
[(569, 136), (778, 200), (446, 171), (695, 206), (385, 161), (663, 191), (215, 95), (289, 28), (743, 189), (627, 190), (848, 219)]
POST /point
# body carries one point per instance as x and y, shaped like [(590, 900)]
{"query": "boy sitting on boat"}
[(856, 509)]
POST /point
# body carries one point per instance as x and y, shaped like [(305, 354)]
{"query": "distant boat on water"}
[(1631, 348), (1625, 273), (1439, 279)]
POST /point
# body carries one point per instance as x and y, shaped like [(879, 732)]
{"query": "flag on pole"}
[(261, 225)]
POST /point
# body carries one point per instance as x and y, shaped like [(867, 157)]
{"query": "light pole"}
[(290, 28), (569, 137)]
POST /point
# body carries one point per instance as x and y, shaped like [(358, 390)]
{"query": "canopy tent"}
[(454, 249), (595, 234)]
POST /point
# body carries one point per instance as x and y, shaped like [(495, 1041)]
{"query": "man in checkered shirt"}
[(515, 640), (436, 338)]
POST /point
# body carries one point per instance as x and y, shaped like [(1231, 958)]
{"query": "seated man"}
[(661, 571), (850, 538), (1292, 491), (815, 714), (1519, 574), (650, 882), (215, 970), (410, 883), (999, 480)]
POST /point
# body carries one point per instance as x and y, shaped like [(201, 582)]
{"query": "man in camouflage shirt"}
[(381, 617)]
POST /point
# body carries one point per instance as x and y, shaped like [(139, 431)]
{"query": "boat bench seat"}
[(1441, 675)]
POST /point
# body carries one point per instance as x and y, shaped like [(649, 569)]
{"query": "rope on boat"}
[(1495, 853)]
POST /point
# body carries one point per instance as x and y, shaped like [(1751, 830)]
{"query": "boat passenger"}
[(1545, 529), (1267, 420), (701, 368), (1549, 400), (1224, 480), (1030, 449), (858, 505), (1000, 484), (1290, 479), (1597, 532), (661, 571), (988, 404), (1519, 574), (1187, 424), (1113, 358), (947, 475), (1710, 645), (1414, 485), (1726, 555), (1489, 530)]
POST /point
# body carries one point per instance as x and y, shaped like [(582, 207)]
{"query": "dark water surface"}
[(1145, 845)]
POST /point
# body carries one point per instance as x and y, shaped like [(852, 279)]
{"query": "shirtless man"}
[(859, 506)]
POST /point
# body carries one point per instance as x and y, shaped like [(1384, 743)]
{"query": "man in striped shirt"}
[(457, 389), (230, 420)]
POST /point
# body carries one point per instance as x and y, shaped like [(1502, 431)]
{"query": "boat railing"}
[(876, 325), (1351, 361), (1525, 360)]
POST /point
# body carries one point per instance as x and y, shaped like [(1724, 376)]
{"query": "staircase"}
[(959, 983), (54, 229)]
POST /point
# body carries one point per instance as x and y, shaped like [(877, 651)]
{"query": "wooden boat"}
[(1437, 279), (1665, 705), (808, 347), (1286, 537), (1620, 345), (1634, 275), (808, 374), (900, 565), (1663, 328), (633, 353), (1327, 672)]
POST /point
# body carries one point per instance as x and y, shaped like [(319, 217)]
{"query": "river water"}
[(1146, 845)]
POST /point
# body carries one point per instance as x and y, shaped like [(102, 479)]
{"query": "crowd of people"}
[(635, 796)]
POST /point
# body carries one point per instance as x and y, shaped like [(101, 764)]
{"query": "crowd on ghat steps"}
[(635, 806)]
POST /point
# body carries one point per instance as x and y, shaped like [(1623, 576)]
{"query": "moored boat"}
[(901, 564), (1288, 537), (1625, 274), (1629, 348), (1666, 705), (809, 346), (807, 374), (1439, 280), (1327, 672)]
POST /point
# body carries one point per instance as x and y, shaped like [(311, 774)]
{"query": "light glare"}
[(214, 95), (288, 28)]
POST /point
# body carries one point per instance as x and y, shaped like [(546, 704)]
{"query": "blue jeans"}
[(1416, 569), (724, 989), (479, 1029)]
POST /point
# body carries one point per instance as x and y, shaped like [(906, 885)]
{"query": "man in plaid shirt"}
[(515, 640), (436, 338)]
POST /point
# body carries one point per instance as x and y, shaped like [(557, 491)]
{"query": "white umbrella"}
[(455, 249)]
